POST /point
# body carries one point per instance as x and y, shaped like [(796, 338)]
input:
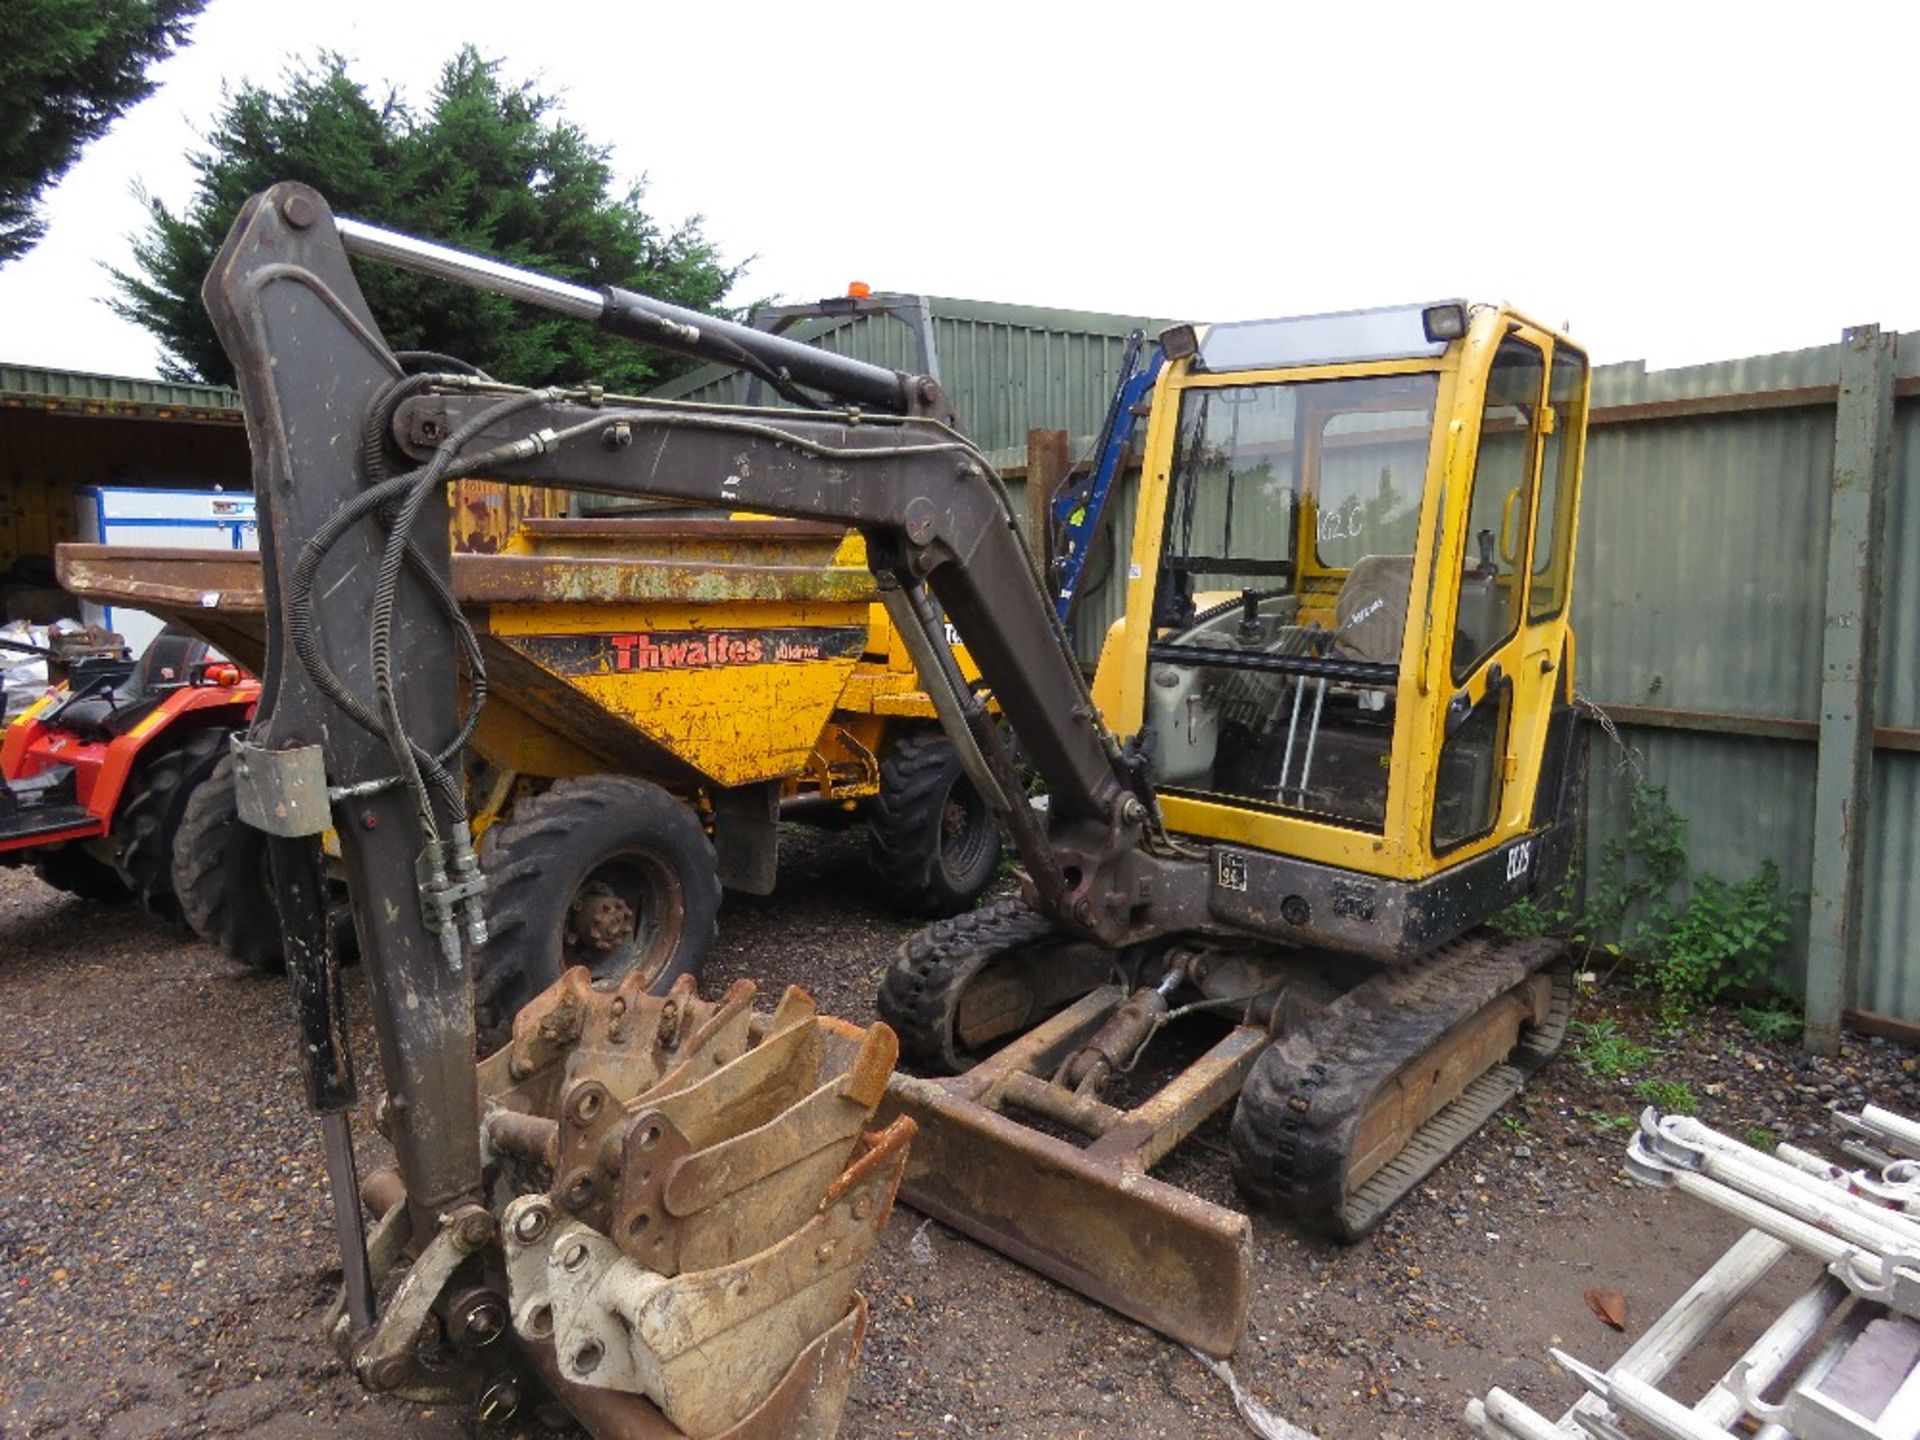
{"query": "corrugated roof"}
[(84, 392)]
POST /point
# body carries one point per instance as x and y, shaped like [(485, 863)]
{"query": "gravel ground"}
[(165, 1247)]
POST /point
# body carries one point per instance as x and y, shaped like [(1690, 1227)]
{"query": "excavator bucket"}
[(805, 1405), (686, 1193)]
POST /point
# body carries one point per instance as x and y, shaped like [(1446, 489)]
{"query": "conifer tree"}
[(486, 166), (68, 70)]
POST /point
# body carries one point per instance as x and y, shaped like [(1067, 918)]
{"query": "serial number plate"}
[(1230, 870)]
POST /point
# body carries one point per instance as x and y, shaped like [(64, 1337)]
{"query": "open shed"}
[(61, 430)]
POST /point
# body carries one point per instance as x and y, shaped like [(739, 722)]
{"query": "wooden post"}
[(1862, 461), (1048, 460)]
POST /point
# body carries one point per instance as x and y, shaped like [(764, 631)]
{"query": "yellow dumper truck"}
[(660, 689)]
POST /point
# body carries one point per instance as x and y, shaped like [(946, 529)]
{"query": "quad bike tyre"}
[(221, 877), (151, 809), (605, 871), (71, 869), (932, 841)]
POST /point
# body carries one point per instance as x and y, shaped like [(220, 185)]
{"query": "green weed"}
[(1772, 1024), (1600, 1049), (1696, 936), (1725, 937), (1672, 1097)]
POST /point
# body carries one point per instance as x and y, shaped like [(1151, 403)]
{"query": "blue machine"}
[(1078, 508)]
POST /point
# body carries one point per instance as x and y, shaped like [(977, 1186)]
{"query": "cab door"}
[(1500, 657)]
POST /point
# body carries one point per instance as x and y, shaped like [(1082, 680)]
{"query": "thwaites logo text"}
[(654, 651)]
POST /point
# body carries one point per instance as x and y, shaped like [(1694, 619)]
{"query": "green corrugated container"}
[(1007, 368)]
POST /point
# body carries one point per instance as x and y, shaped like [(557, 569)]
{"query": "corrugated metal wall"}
[(1701, 591), (1890, 978)]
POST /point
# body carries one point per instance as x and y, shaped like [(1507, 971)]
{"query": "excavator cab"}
[(1347, 646), (1345, 669)]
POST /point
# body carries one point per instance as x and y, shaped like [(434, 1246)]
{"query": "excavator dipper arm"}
[(935, 516)]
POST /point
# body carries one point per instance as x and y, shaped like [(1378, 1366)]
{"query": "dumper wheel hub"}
[(932, 841), (609, 872), (599, 921)]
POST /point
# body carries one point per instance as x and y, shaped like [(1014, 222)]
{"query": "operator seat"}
[(1371, 609), (167, 664)]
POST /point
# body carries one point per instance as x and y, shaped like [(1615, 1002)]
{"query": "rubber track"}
[(1297, 1118), (923, 987)]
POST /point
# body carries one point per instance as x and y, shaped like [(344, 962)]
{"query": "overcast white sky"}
[(1679, 181)]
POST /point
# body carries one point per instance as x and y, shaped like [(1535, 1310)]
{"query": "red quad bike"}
[(119, 783)]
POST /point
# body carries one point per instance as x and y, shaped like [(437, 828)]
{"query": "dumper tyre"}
[(151, 810), (605, 871), (932, 841), (72, 869), (221, 876)]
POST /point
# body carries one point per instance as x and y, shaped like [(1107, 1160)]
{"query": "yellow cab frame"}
[(1527, 676)]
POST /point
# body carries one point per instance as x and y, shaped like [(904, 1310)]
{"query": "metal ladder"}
[(1843, 1358)]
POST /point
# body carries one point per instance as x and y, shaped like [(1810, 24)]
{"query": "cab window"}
[(1269, 688), (1372, 467), (1500, 512), (1552, 548)]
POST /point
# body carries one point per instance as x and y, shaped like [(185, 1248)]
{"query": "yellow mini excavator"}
[(1333, 735)]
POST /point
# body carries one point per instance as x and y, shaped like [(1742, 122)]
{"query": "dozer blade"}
[(1087, 1216), (1149, 1250), (1337, 1119)]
